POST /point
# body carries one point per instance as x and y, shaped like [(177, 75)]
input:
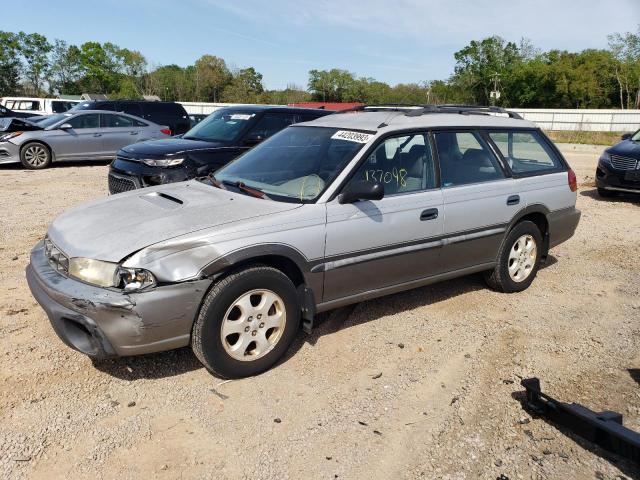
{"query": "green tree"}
[(9, 64), (35, 49), (626, 50), (330, 85), (65, 70), (245, 87), (211, 76)]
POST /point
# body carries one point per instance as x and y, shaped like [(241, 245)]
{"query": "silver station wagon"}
[(326, 213)]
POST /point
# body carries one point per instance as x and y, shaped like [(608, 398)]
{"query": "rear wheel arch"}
[(538, 215)]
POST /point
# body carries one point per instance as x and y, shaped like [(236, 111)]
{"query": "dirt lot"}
[(451, 357)]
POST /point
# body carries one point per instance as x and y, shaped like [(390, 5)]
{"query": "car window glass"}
[(525, 151), (131, 109), (59, 106), (402, 164), (116, 121), (91, 120), (465, 158), (221, 126), (269, 124)]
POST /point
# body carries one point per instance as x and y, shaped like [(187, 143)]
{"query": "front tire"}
[(518, 259), (35, 156), (247, 322)]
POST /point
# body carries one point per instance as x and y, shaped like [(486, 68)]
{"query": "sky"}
[(397, 41)]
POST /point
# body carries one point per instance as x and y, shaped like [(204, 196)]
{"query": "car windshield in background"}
[(636, 136), (53, 119), (221, 126), (295, 164)]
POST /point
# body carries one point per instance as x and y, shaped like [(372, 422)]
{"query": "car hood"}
[(167, 146), (115, 227), (626, 148), (11, 124)]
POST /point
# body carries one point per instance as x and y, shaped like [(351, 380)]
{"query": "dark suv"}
[(619, 167), (209, 145), (170, 114)]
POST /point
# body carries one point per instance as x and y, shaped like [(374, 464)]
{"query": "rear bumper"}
[(105, 323), (562, 225), (618, 180)]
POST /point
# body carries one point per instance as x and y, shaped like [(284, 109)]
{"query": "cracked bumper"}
[(104, 323)]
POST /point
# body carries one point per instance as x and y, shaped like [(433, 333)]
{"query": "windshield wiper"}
[(254, 192), (215, 182)]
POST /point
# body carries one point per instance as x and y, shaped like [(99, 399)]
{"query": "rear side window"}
[(131, 109), (525, 151), (119, 121), (465, 158), (161, 108)]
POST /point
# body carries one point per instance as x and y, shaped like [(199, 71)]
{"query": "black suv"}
[(619, 167), (171, 114), (209, 145)]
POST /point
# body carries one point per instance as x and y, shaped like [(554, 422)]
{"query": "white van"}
[(37, 106)]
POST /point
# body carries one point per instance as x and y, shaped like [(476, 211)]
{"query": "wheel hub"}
[(522, 258)]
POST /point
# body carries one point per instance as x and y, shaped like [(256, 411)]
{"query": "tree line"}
[(523, 75)]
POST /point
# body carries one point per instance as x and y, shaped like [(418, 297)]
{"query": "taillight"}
[(166, 131), (573, 181)]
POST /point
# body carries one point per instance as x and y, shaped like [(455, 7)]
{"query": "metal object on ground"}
[(602, 428)]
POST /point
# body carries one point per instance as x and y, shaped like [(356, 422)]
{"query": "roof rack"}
[(382, 107), (462, 109)]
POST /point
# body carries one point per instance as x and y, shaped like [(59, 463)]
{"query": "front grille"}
[(120, 184), (57, 259), (623, 163)]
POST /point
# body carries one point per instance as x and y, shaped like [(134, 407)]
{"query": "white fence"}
[(547, 119), (583, 120)]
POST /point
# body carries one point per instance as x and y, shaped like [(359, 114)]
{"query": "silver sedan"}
[(85, 135)]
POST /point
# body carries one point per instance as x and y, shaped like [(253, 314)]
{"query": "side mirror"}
[(253, 139), (625, 136), (362, 191), (65, 126)]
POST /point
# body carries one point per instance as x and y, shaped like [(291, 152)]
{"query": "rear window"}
[(526, 152)]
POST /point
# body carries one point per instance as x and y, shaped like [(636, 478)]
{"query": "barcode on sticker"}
[(352, 136)]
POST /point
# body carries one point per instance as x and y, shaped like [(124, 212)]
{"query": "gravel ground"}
[(422, 384)]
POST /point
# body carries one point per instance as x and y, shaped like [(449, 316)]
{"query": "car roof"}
[(374, 121), (278, 109)]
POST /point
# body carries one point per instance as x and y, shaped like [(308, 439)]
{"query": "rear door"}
[(119, 131), (371, 245), (82, 141), (479, 199)]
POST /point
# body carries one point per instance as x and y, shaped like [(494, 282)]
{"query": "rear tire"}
[(604, 193), (246, 323), (35, 156), (518, 259)]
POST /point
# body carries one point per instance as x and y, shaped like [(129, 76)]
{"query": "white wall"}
[(585, 120), (204, 107)]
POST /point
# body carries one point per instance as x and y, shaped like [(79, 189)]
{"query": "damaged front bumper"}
[(102, 322)]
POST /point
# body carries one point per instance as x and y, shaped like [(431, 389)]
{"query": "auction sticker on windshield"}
[(352, 136), (241, 116)]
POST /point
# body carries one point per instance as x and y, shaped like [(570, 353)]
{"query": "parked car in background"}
[(163, 113), (196, 118), (75, 135), (618, 169), (38, 106), (7, 113), (212, 143), (327, 213)]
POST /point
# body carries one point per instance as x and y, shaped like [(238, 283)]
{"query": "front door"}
[(375, 244), (83, 141)]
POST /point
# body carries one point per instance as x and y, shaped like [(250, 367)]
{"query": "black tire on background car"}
[(518, 259), (246, 322), (35, 156), (604, 193)]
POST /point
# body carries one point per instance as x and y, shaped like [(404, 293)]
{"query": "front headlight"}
[(605, 158), (92, 271), (165, 162), (108, 274), (132, 279), (8, 136)]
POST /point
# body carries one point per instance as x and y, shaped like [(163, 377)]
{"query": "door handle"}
[(97, 134), (429, 214), (513, 200), (133, 133)]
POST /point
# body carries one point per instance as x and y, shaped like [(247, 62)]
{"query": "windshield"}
[(636, 136), (53, 119), (221, 126), (295, 164)]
